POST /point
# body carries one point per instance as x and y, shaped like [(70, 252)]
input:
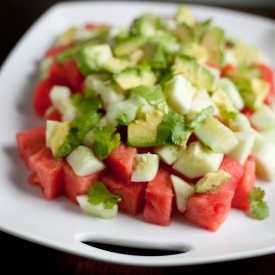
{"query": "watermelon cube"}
[(48, 173), (159, 199), (121, 161), (132, 194), (245, 185), (30, 141), (78, 185), (210, 210)]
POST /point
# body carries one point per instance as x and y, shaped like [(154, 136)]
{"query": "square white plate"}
[(60, 224)]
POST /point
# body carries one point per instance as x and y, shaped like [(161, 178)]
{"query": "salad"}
[(166, 115)]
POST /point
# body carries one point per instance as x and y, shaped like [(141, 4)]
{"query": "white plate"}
[(60, 224)]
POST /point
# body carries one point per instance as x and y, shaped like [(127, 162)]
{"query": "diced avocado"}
[(143, 132), (244, 147), (166, 39), (155, 55), (84, 162), (57, 135), (263, 118), (133, 77), (185, 33), (252, 89), (96, 210), (183, 191), (211, 181), (146, 25), (196, 73), (129, 45), (115, 65), (195, 50), (179, 93), (214, 42), (145, 167), (184, 15), (216, 135), (91, 58), (197, 160)]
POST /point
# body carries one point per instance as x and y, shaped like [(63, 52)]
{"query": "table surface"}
[(23, 256)]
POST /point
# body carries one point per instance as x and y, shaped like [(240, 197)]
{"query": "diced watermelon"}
[(41, 98), (228, 68), (33, 179), (246, 184), (210, 210), (159, 199), (121, 161), (49, 172), (73, 75), (53, 52), (53, 114), (30, 141), (57, 74), (75, 185), (132, 194)]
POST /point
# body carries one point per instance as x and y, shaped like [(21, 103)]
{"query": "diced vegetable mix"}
[(166, 112)]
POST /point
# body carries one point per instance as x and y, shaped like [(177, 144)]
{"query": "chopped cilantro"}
[(98, 193), (122, 120), (172, 129), (105, 141), (260, 209), (200, 117), (71, 143), (86, 103)]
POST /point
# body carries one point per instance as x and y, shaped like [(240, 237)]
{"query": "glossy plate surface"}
[(60, 224)]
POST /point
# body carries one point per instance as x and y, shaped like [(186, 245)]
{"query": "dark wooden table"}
[(22, 257)]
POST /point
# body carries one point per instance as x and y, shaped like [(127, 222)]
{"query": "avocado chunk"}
[(196, 73), (194, 50), (129, 45), (155, 55), (185, 33), (211, 181), (253, 90), (214, 41), (143, 132), (184, 15), (133, 77)]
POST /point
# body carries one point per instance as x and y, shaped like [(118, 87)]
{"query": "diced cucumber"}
[(263, 118), (168, 153), (96, 210), (51, 126), (179, 94), (244, 147), (84, 162), (96, 81), (216, 135), (240, 124), (183, 191), (145, 168), (227, 85), (197, 160), (269, 134), (264, 152)]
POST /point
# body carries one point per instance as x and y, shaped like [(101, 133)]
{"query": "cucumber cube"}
[(215, 135), (145, 167), (197, 160), (183, 191), (179, 94), (168, 153), (263, 118), (96, 210), (244, 147), (84, 162)]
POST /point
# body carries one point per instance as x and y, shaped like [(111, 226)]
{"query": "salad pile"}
[(166, 115)]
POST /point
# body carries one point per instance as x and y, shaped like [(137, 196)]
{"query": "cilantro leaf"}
[(122, 120), (256, 194), (86, 103), (86, 123), (260, 209), (98, 193), (172, 129), (200, 117), (105, 141)]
